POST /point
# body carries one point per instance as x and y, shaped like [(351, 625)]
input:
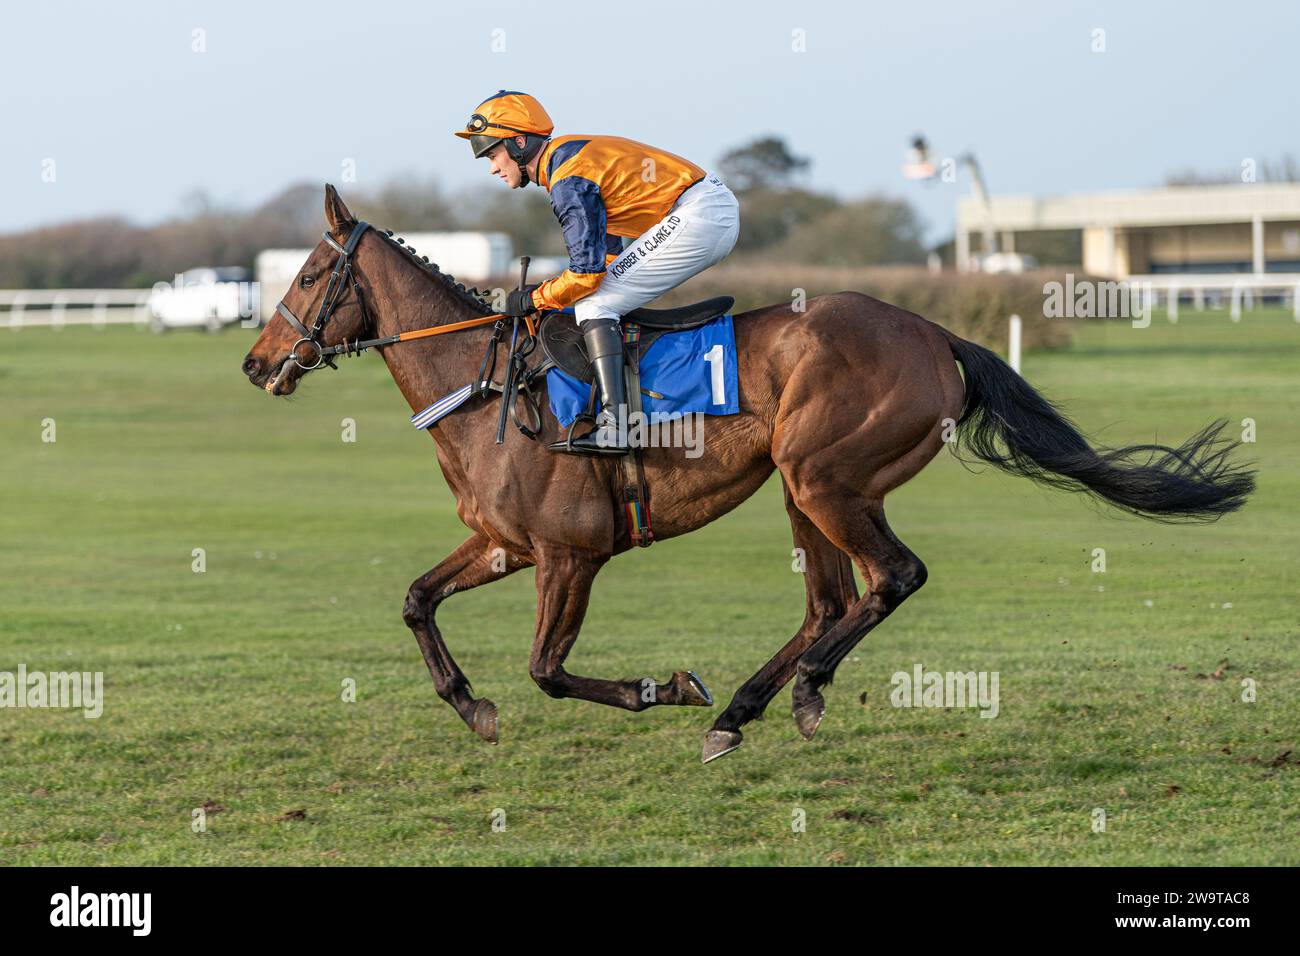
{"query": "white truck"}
[(472, 257), (209, 298)]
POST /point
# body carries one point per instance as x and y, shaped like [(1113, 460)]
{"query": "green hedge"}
[(974, 306)]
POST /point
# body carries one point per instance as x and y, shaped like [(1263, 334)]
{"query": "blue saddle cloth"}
[(694, 370)]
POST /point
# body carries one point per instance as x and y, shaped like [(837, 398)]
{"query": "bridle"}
[(343, 275)]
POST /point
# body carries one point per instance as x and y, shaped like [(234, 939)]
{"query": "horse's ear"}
[(335, 212)]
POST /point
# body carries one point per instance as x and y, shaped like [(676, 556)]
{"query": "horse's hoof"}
[(485, 720), (691, 690), (808, 716), (719, 742)]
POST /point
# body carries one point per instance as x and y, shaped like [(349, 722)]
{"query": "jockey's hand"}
[(520, 302)]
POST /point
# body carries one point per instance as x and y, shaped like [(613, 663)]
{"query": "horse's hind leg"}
[(564, 581), (831, 590), (477, 561), (841, 458), (892, 572)]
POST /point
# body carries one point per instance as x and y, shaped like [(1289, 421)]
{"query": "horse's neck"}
[(426, 369)]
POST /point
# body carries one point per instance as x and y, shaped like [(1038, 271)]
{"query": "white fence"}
[(1234, 288), (58, 307)]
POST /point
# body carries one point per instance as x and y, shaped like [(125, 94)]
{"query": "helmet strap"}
[(523, 156)]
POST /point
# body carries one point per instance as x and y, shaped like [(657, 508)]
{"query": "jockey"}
[(677, 220)]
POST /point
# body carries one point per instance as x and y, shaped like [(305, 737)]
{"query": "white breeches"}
[(699, 230)]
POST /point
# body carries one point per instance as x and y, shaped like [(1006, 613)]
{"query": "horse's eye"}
[(307, 282)]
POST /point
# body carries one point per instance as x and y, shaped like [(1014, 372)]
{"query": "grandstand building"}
[(1169, 232)]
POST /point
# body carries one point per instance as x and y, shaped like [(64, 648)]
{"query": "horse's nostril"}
[(251, 365)]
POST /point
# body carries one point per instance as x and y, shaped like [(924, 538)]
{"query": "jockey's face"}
[(503, 166)]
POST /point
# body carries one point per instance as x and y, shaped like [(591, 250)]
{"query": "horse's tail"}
[(1005, 422)]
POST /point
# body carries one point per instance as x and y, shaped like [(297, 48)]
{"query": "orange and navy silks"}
[(604, 188)]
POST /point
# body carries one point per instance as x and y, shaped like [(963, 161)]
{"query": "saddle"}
[(563, 345)]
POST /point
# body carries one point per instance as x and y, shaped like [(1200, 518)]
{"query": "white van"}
[(209, 298)]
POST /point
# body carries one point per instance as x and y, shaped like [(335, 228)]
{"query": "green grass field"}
[(1120, 691)]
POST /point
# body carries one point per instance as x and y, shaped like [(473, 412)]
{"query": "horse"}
[(847, 400)]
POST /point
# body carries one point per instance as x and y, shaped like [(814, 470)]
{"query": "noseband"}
[(341, 276)]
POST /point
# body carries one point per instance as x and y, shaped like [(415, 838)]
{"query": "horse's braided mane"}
[(471, 297)]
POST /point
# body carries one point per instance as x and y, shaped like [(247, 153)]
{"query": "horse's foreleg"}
[(564, 581), (831, 590), (475, 562)]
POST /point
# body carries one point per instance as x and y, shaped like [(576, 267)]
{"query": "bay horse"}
[(847, 400)]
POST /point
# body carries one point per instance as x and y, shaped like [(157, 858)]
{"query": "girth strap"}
[(636, 492)]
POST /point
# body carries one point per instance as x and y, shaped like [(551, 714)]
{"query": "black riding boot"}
[(604, 342)]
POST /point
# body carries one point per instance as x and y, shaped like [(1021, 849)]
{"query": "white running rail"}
[(20, 308)]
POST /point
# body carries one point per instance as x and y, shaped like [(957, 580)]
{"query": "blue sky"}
[(134, 119)]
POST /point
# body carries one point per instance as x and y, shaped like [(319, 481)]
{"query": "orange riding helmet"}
[(502, 116)]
